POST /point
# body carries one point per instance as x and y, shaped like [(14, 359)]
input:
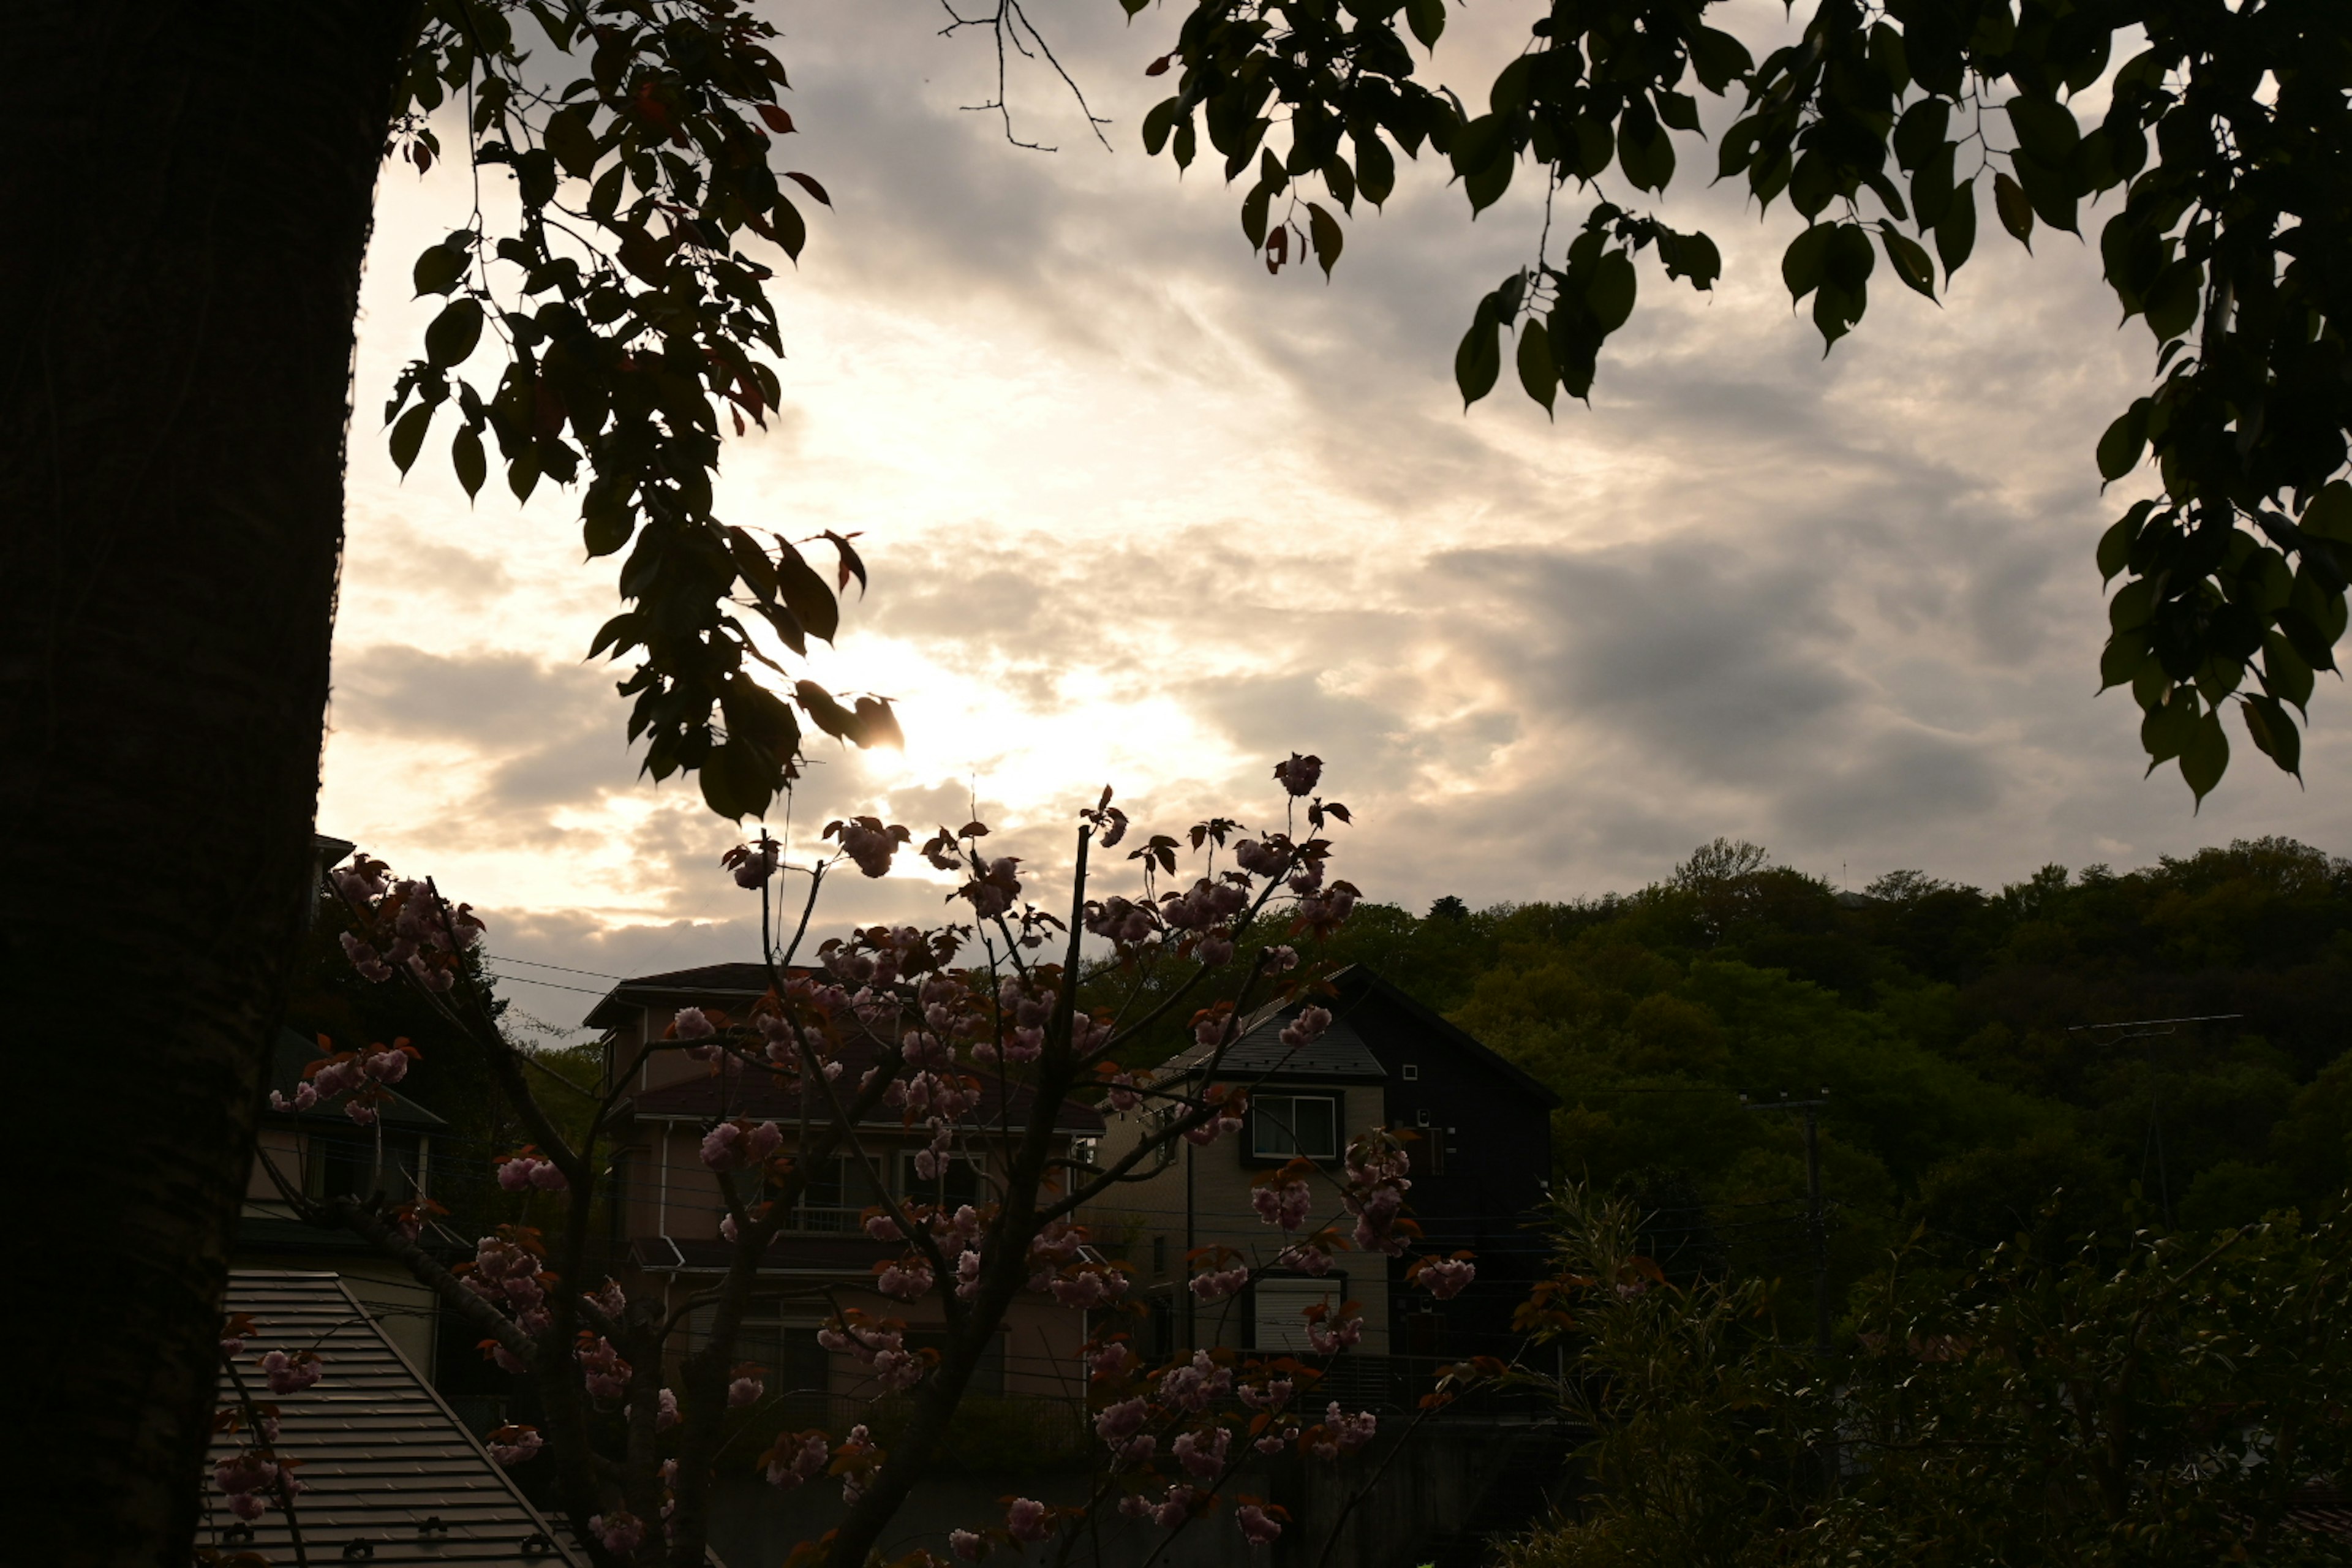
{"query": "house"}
[(323, 1155), (390, 1476), (1481, 1150), (667, 1210)]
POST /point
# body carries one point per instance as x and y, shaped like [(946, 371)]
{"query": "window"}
[(1279, 1311), (1283, 1125), (337, 1167), (957, 1185), (837, 1191), (1420, 1118), (1412, 1072)]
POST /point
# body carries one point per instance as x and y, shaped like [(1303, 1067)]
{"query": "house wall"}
[(1150, 1219)]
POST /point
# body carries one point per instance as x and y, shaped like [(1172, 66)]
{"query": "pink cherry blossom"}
[(1256, 1527), (620, 1535), (291, 1373), (1203, 1454), (511, 1445), (967, 1544), (744, 1391), (1026, 1519), (1444, 1277)]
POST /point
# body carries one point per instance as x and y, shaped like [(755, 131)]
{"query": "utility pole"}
[(2153, 1029), (1816, 1226)]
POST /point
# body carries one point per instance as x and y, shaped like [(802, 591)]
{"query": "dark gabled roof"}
[(729, 980), (1340, 1052), (292, 1053), (1363, 1005), (764, 1096), (1365, 997), (381, 1453)]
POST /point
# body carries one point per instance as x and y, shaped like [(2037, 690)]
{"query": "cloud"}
[(1138, 513)]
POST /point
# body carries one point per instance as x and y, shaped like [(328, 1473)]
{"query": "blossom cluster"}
[(253, 1478), (403, 924), (506, 1270), (512, 1445), (880, 1343), (367, 1074), (529, 1171), (1176, 1432)]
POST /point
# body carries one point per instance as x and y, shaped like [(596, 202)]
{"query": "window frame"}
[(1259, 1121)]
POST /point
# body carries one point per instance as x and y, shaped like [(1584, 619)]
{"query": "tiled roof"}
[(392, 1476), (1338, 1052)]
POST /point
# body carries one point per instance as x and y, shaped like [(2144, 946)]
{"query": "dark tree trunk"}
[(184, 202)]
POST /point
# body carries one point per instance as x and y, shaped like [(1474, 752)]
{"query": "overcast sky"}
[(1140, 514)]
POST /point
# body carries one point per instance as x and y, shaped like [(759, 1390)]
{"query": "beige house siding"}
[(1154, 1212)]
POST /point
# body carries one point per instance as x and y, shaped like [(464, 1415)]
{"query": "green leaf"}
[(1645, 150), (522, 472), (2169, 728), (2126, 440), (438, 269), (1427, 20), (1678, 109), (1483, 142), (1375, 168), (2285, 674), (791, 229), (1931, 187), (2121, 660), (1610, 296), (2046, 129), (607, 521), (2330, 515), (732, 784), (408, 435), (2016, 212), (1158, 123), (466, 456), (2116, 544), (2206, 757), (572, 143), (1478, 362), (829, 716), (2171, 304), (1323, 231), (758, 717), (1535, 372), (1956, 231), (806, 592), (454, 333), (1909, 259), (1254, 214), (1850, 259), (2274, 731), (1486, 188), (1802, 263), (1920, 132)]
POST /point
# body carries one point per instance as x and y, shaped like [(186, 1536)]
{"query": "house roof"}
[(1340, 1052), (291, 1053), (1365, 1013), (384, 1462), (765, 1095), (1374, 1003), (709, 980)]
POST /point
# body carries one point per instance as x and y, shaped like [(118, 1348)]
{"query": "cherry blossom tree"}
[(923, 1023)]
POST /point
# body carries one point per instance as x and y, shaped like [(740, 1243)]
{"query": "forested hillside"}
[(1970, 1042)]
